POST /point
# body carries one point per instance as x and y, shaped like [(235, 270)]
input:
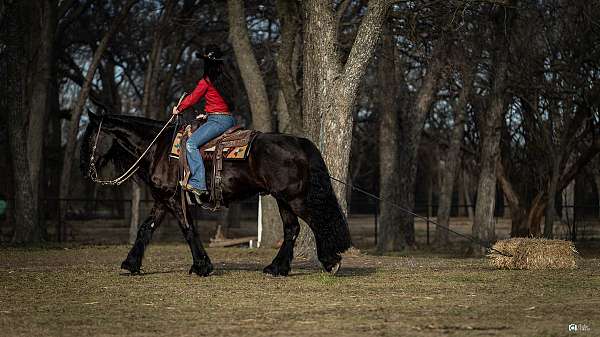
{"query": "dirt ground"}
[(80, 291)]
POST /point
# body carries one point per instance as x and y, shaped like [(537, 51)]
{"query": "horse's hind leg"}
[(133, 262), (201, 262), (282, 262)]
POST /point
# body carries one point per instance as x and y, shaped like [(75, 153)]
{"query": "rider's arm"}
[(194, 97)]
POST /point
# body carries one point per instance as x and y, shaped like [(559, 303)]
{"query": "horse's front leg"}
[(201, 262), (133, 262)]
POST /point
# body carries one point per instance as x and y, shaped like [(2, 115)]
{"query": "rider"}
[(215, 87)]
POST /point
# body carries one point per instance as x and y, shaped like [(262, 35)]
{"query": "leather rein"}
[(136, 165)]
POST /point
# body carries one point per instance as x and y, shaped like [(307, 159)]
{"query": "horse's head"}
[(96, 135)]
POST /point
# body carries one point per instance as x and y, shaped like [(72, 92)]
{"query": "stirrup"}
[(196, 198)]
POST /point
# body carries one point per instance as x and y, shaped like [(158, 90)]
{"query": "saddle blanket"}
[(236, 152)]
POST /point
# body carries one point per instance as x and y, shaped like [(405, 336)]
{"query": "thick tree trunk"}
[(490, 125), (330, 88), (450, 162), (14, 87), (40, 78), (73, 126), (389, 236)]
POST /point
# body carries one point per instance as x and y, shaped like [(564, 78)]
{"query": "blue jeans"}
[(214, 126)]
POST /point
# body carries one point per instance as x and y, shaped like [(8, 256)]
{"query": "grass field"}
[(81, 292)]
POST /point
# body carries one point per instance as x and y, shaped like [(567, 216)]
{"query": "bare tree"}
[(73, 127)]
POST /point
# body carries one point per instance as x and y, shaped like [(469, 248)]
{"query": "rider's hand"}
[(176, 111)]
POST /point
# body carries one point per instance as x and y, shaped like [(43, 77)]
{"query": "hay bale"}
[(531, 253)]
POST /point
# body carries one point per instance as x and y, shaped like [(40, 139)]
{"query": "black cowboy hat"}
[(211, 52)]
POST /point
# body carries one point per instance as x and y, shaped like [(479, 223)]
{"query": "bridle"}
[(123, 177), (134, 167)]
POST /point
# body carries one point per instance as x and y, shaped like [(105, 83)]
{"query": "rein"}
[(122, 178)]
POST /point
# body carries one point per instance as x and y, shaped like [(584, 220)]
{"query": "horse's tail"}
[(326, 218)]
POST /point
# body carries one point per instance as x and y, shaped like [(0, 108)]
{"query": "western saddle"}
[(233, 145)]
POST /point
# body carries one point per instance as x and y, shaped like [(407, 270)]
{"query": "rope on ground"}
[(468, 237)]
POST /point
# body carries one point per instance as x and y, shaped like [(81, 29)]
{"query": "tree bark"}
[(287, 65), (412, 121), (73, 125), (40, 77), (550, 213), (330, 87), (467, 190), (14, 87), (450, 161), (388, 234), (568, 202), (490, 125), (259, 105), (519, 227), (249, 69), (597, 180), (484, 225)]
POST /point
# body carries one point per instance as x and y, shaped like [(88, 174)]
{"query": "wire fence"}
[(87, 220)]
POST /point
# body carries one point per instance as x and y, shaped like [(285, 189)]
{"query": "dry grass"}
[(534, 253), (81, 291)]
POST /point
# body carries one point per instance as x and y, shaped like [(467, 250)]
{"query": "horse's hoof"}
[(335, 268), (332, 266), (275, 270), (131, 267), (201, 270)]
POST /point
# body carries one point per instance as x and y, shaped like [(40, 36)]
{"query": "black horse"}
[(289, 168)]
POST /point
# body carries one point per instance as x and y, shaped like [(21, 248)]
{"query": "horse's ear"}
[(94, 118)]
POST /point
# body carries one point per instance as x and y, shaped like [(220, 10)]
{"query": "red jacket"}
[(214, 100)]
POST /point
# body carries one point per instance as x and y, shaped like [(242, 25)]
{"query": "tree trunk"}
[(73, 125), (467, 191), (550, 213), (597, 180), (450, 162), (15, 91), (330, 88), (249, 69), (388, 233), (412, 121), (536, 213), (490, 125), (568, 202), (518, 213), (287, 65), (259, 105), (40, 77)]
